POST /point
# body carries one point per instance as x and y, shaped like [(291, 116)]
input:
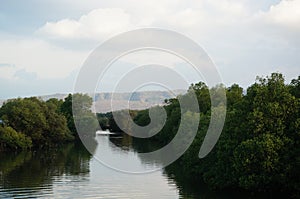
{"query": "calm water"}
[(71, 172)]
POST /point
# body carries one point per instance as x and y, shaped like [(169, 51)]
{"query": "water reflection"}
[(188, 188), (34, 172), (121, 141), (71, 172)]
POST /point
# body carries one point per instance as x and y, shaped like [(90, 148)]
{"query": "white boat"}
[(99, 132)]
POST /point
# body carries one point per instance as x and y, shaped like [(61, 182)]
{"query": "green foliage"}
[(203, 96), (26, 116), (107, 120), (103, 119), (234, 95), (257, 161), (295, 87), (259, 148), (87, 125), (40, 121), (142, 118), (45, 123), (80, 106), (11, 139), (66, 110)]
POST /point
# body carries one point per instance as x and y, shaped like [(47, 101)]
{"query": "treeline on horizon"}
[(33, 123), (259, 148)]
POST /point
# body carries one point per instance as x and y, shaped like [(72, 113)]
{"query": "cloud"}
[(37, 56), (29, 86), (285, 14), (102, 23), (97, 24), (6, 65), (23, 74), (239, 35), (6, 71)]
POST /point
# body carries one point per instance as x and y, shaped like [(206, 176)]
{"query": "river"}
[(70, 171)]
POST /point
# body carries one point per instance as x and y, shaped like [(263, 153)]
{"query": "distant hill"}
[(135, 101), (57, 96)]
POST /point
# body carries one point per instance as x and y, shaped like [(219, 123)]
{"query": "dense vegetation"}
[(259, 148), (31, 122), (107, 122)]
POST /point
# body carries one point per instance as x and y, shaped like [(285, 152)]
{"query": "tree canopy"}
[(259, 148), (33, 122)]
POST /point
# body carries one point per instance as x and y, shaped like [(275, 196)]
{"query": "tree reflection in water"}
[(39, 168)]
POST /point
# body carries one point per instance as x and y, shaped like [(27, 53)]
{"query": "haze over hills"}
[(135, 101)]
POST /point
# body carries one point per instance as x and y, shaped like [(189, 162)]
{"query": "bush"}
[(11, 139)]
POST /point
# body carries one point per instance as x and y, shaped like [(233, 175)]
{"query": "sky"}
[(43, 44)]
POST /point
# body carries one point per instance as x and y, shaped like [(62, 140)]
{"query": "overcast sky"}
[(44, 43)]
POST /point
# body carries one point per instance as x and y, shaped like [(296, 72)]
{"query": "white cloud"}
[(186, 18), (286, 14), (7, 71), (102, 23), (39, 57), (97, 24), (239, 35)]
